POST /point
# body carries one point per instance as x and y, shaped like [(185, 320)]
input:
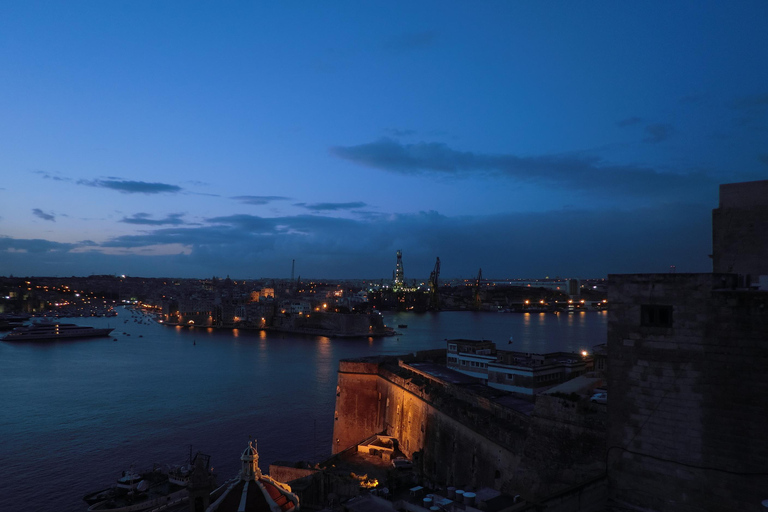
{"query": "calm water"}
[(74, 414)]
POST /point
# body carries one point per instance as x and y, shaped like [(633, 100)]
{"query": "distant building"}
[(574, 287), (518, 372)]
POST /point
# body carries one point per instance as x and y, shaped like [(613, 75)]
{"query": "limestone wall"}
[(459, 438), (687, 402)]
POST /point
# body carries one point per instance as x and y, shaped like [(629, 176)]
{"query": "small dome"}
[(250, 453)]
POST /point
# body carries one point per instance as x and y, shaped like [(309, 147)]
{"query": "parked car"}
[(401, 463), (599, 398)]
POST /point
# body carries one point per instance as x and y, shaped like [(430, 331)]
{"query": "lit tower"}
[(399, 274)]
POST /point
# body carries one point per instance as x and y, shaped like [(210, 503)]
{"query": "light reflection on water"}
[(84, 410)]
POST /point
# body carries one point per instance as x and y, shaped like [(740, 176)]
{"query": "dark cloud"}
[(51, 176), (45, 216), (630, 121), (317, 207), (573, 172), (132, 187), (259, 200), (36, 246), (517, 244), (395, 132), (144, 219), (655, 133), (412, 41), (750, 102)]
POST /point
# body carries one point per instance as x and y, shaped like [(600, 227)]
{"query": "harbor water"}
[(75, 414)]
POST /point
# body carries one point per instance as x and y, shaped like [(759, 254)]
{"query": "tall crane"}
[(434, 296), (477, 301), (399, 273)]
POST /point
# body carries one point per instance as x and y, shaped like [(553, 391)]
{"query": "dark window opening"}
[(654, 315)]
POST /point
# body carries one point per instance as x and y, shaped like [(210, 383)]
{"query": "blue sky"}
[(529, 139)]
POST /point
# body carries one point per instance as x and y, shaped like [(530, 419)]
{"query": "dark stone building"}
[(688, 373)]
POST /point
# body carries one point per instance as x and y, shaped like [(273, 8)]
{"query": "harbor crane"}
[(477, 301), (434, 296)]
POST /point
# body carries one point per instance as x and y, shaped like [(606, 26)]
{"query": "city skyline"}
[(191, 140)]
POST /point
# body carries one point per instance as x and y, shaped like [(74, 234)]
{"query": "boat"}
[(128, 481), (9, 321), (41, 331), (135, 492), (153, 489)]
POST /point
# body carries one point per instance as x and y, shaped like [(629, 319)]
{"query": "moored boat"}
[(134, 492), (45, 331)]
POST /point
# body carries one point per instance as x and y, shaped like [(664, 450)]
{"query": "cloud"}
[(132, 187), (571, 172), (648, 239), (630, 121), (51, 176), (395, 132), (750, 102), (655, 133), (316, 207), (144, 219), (259, 200), (45, 216), (35, 246)]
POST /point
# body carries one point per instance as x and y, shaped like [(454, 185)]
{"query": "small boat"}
[(402, 326)]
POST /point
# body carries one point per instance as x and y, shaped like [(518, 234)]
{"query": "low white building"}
[(518, 372)]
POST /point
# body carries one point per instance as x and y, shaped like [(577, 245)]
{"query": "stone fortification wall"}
[(457, 437), (687, 398), (285, 473), (455, 442), (358, 413), (565, 446), (332, 324)]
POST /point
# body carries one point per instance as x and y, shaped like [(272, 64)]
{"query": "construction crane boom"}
[(434, 296)]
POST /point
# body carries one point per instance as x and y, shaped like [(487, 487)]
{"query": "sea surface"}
[(75, 414)]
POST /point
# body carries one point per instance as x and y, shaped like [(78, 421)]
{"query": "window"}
[(655, 315)]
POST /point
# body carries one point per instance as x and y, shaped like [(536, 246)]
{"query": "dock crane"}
[(477, 302), (434, 296)]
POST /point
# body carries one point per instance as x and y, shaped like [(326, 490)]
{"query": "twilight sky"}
[(529, 139)]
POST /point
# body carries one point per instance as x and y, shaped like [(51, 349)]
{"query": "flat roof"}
[(444, 373), (451, 376)]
